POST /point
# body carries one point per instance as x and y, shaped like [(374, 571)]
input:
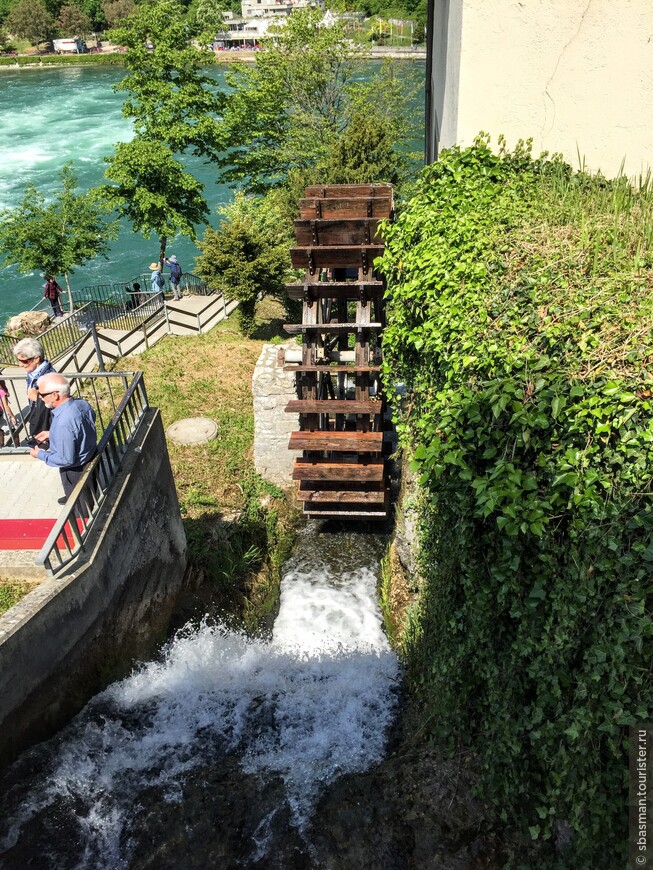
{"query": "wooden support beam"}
[(352, 290), (340, 257), (329, 369), (306, 328), (348, 231), (351, 191), (346, 496), (335, 514)]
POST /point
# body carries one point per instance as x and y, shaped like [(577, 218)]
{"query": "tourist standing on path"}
[(134, 293), (175, 276), (157, 280), (52, 291), (72, 436), (31, 357)]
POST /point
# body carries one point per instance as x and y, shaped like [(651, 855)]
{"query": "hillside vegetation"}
[(520, 317)]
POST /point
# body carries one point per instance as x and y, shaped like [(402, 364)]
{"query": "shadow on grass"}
[(270, 329)]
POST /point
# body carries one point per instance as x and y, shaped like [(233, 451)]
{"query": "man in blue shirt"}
[(72, 434)]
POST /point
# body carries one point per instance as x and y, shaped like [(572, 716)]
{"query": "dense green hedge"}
[(112, 59), (520, 319)]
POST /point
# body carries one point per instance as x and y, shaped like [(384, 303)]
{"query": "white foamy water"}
[(311, 703)]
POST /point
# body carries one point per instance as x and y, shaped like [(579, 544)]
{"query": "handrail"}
[(57, 339), (76, 521), (103, 304), (83, 386), (115, 292)]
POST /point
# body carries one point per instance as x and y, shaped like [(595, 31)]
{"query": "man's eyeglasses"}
[(23, 362), (43, 395)]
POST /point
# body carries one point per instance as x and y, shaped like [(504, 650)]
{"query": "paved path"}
[(29, 489)]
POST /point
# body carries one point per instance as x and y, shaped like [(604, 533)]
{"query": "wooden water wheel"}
[(341, 406)]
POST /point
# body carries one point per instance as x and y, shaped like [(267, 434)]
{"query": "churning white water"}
[(310, 703)]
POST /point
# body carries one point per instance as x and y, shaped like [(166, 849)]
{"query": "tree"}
[(30, 20), (291, 112), (154, 191), (207, 17), (374, 143), (71, 21), (247, 257), (56, 237), (116, 11), (283, 113), (173, 105)]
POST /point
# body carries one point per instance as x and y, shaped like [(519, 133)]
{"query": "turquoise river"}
[(56, 115)]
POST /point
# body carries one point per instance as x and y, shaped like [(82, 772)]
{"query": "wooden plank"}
[(344, 514), (347, 496), (355, 442), (348, 231), (305, 469), (350, 290), (345, 207), (333, 406), (329, 369), (335, 328), (336, 257), (383, 188)]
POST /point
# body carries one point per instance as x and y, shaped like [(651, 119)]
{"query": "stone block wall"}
[(272, 389)]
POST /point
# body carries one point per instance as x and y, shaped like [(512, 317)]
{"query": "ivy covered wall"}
[(520, 316)]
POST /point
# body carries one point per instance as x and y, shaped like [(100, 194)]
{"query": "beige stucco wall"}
[(575, 75)]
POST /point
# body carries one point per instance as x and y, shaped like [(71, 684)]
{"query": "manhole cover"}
[(192, 430)]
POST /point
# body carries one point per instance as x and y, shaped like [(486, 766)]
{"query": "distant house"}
[(276, 8)]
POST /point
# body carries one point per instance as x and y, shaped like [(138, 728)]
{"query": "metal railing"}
[(127, 313), (77, 519), (190, 283), (105, 400), (109, 305), (57, 339)]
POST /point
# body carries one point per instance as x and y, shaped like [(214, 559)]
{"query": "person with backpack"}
[(157, 281), (52, 291), (175, 276)]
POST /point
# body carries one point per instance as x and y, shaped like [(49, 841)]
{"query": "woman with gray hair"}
[(30, 356)]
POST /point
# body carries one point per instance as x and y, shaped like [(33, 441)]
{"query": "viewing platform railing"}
[(78, 517), (106, 305), (57, 339)]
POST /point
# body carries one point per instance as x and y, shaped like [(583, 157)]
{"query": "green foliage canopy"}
[(247, 257), (287, 113), (154, 191), (30, 19), (58, 236), (72, 21), (172, 104)]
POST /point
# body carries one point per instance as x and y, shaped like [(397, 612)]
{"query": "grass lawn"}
[(238, 527)]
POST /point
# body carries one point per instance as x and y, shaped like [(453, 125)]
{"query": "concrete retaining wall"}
[(69, 637)]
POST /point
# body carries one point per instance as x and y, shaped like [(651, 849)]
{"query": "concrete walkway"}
[(29, 489)]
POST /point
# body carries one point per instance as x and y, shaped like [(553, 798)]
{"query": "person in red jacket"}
[(52, 291)]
